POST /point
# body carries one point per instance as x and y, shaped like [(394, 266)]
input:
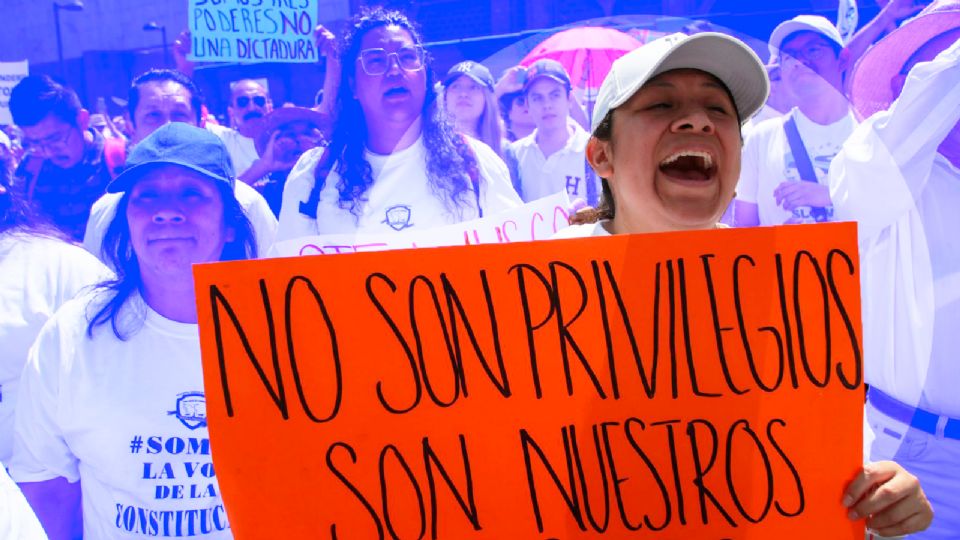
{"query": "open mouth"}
[(397, 91), (689, 165)]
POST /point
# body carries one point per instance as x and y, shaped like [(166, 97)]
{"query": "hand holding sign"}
[(890, 498)]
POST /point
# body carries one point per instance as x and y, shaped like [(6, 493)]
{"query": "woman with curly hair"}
[(394, 162)]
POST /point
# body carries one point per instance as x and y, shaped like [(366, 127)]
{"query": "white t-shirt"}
[(254, 206), (400, 198), (597, 228), (125, 418), (242, 150), (768, 161), (17, 520), (566, 168), (37, 276), (765, 113)]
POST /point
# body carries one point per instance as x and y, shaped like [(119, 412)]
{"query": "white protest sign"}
[(537, 220), (252, 30), (10, 75)]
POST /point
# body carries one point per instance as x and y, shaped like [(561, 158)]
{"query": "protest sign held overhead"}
[(252, 30), (681, 385)]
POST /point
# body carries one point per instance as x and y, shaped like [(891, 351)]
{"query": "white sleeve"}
[(885, 164), (496, 189), (17, 520), (749, 181), (40, 451), (101, 214), (78, 271), (294, 224), (261, 217)]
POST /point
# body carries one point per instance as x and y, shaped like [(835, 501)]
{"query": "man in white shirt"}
[(551, 158), (249, 102), (898, 176), (159, 97), (777, 184)]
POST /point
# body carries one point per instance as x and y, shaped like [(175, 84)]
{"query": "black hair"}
[(449, 158), (118, 250), (16, 214), (172, 75), (37, 96), (606, 207), (506, 103)]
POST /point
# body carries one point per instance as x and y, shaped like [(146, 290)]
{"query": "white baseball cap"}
[(726, 58), (803, 23)]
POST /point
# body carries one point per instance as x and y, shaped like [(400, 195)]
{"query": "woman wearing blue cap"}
[(470, 100), (110, 434), (666, 143)]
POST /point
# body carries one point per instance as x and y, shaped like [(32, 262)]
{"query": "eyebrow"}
[(668, 84)]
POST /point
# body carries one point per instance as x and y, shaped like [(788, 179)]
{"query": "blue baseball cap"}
[(546, 68), (177, 143), (477, 72)]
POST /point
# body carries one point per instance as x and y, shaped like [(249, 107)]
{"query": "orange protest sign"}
[(682, 385)]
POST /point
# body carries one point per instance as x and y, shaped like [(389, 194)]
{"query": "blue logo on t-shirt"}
[(191, 410), (398, 217)]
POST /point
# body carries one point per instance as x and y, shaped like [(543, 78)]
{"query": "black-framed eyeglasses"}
[(377, 61), (53, 143), (243, 101)]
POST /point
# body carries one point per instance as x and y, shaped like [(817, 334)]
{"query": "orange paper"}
[(681, 385)]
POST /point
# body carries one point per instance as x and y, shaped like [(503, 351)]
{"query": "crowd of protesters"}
[(96, 339)]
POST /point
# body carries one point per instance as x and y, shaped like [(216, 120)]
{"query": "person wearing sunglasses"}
[(249, 103), (394, 161), (63, 172)]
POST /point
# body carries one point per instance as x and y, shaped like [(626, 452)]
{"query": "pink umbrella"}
[(586, 52)]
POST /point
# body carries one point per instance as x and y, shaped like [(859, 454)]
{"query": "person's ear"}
[(600, 158), (83, 119), (230, 235)]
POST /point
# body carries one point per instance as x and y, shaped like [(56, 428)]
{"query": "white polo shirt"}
[(540, 175)]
